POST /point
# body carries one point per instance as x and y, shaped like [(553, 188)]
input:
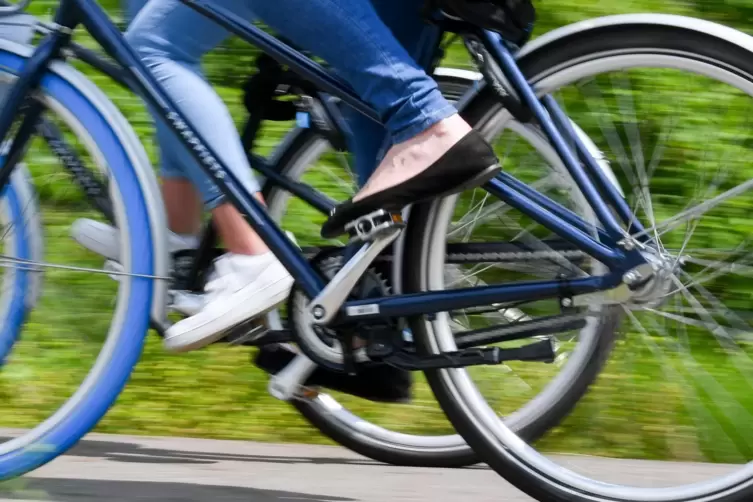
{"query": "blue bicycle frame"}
[(600, 194)]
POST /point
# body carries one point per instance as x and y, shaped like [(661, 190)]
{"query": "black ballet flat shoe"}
[(471, 162), (380, 383)]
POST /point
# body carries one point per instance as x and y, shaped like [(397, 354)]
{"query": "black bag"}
[(513, 19)]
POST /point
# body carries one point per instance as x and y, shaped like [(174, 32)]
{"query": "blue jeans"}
[(171, 40)]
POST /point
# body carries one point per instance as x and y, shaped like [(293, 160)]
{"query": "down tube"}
[(108, 36)]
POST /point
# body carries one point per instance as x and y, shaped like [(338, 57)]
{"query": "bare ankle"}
[(453, 126), (236, 233), (408, 158)]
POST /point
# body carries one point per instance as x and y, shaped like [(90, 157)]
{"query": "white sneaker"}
[(188, 303), (244, 287), (102, 239)]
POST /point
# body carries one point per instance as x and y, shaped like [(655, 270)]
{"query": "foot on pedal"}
[(381, 383), (469, 163)]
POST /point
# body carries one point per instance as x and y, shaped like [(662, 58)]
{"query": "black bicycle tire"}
[(575, 48), (477, 110), (474, 114)]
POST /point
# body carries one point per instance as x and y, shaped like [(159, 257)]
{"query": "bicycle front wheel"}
[(83, 333), (671, 107)]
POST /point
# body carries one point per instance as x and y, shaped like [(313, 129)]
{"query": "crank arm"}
[(286, 383), (377, 231)]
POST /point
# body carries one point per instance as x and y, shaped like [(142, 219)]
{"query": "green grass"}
[(640, 407)]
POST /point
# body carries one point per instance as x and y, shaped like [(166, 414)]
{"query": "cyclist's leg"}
[(182, 201), (368, 140), (183, 205), (427, 157), (382, 383), (171, 40)]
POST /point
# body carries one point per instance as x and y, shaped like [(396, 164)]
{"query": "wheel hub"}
[(652, 283)]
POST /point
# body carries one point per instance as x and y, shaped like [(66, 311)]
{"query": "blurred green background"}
[(217, 393)]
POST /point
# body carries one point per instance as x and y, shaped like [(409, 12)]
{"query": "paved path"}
[(108, 468)]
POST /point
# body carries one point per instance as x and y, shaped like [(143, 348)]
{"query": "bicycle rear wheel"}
[(689, 345)]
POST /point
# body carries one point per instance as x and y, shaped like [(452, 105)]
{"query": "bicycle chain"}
[(503, 256), (512, 256), (183, 261)]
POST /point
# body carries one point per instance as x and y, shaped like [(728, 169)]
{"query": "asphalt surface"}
[(106, 468)]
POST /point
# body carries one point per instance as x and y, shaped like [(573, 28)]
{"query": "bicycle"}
[(633, 273), (453, 83), (261, 99)]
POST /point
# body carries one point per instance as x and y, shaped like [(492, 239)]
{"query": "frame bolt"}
[(632, 277), (627, 244), (318, 312)]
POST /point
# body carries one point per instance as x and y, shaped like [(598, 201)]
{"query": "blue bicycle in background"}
[(574, 262)]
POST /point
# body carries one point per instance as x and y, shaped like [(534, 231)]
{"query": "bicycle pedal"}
[(544, 351), (372, 234), (246, 333), (286, 384), (375, 225)]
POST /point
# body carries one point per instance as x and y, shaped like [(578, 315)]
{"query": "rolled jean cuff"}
[(168, 171), (218, 200), (425, 121), (211, 196)]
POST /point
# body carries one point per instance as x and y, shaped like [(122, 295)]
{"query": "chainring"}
[(320, 344)]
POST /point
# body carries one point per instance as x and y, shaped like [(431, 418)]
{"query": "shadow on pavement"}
[(138, 454), (134, 453), (80, 490)]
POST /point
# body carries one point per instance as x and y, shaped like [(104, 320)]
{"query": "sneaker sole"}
[(203, 335)]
